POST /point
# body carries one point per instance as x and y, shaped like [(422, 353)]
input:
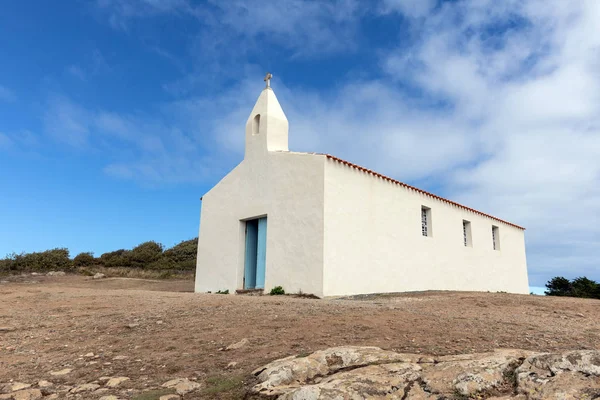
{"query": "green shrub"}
[(578, 287), (148, 256), (584, 287), (7, 264), (116, 258), (84, 260), (161, 264), (142, 255), (49, 260), (182, 256), (226, 291), (558, 286), (277, 290)]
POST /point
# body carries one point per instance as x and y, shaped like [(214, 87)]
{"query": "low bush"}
[(181, 256), (277, 291), (84, 260), (115, 258), (142, 255), (150, 255), (179, 260), (49, 260)]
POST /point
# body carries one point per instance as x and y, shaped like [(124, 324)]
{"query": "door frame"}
[(242, 250)]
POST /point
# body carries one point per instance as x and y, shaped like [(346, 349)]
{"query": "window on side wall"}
[(495, 237), (467, 234), (426, 221)]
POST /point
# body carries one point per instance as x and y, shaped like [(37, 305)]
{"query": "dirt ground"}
[(154, 331)]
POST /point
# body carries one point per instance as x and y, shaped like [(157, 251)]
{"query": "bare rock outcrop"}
[(572, 375), (391, 380), (282, 375), (370, 372)]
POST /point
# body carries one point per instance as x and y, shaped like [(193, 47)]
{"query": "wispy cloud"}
[(77, 72), (410, 8), (224, 34), (120, 12), (5, 141), (93, 64), (21, 140), (310, 27), (141, 147), (67, 122), (6, 94)]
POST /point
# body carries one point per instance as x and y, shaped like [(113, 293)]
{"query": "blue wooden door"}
[(261, 253), (250, 257)]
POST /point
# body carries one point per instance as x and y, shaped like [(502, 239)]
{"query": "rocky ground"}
[(78, 338), (369, 372)]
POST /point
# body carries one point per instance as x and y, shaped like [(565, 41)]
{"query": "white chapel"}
[(322, 225)]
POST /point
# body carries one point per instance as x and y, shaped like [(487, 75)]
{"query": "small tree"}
[(578, 287), (84, 259), (584, 287), (558, 286)]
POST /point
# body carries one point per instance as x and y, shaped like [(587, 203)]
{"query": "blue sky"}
[(117, 115)]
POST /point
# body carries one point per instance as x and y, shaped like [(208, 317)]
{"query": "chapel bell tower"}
[(267, 125)]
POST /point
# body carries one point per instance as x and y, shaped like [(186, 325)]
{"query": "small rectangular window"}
[(495, 237), (426, 221), (467, 234)]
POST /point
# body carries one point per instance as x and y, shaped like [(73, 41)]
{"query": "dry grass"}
[(224, 386), (119, 272), (154, 394)]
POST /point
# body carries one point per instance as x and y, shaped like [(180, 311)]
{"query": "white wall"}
[(288, 189), (373, 241)]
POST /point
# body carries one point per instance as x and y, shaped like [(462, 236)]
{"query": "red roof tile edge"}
[(387, 178)]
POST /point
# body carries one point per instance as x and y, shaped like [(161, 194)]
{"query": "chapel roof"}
[(387, 178)]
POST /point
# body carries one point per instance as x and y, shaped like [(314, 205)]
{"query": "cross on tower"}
[(268, 79)]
